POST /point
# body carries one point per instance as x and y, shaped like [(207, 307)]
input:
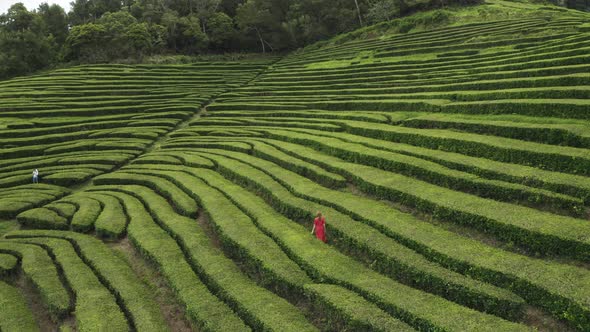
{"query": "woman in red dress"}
[(319, 226)]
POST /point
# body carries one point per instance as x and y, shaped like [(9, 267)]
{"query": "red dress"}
[(320, 230)]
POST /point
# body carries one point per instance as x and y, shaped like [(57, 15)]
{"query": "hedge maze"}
[(453, 166)]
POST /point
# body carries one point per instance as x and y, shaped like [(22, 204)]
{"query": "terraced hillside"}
[(453, 166), (77, 123)]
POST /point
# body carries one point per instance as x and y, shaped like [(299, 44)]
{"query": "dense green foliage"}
[(448, 149), (27, 42), (96, 31), (14, 313)]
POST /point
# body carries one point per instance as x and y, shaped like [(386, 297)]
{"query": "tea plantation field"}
[(452, 165)]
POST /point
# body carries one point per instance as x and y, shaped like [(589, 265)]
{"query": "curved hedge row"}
[(452, 165)]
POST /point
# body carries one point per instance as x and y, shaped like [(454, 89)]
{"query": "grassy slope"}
[(489, 11)]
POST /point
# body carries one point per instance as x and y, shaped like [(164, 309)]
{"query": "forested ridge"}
[(100, 31)]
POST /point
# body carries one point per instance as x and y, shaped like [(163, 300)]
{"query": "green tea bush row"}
[(137, 300), (42, 218), (14, 312), (568, 184), (522, 131), (96, 307), (250, 301), (39, 269), (8, 264), (180, 201), (573, 62), (540, 283), (389, 256), (545, 235), (417, 308), (351, 310), (239, 235), (111, 223), (63, 209), (562, 159), (435, 173), (88, 211), (202, 308)]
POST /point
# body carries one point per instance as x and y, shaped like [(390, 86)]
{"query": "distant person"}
[(319, 226), (36, 176)]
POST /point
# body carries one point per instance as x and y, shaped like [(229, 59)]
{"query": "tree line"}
[(105, 30)]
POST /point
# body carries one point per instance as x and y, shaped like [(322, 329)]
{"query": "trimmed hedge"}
[(62, 208), (573, 185), (202, 307), (14, 312), (514, 80), (42, 218), (268, 152), (157, 159), (510, 222), (112, 221), (188, 158), (496, 70), (561, 108), (137, 301), (69, 178), (435, 173), (95, 306), (387, 255), (548, 285), (343, 307), (8, 264), (541, 64), (179, 200), (240, 236), (562, 159), (39, 269), (558, 134), (415, 86), (365, 116), (298, 166), (268, 122), (189, 143), (10, 208), (251, 107), (257, 306), (515, 61), (88, 211), (21, 198), (325, 264)]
